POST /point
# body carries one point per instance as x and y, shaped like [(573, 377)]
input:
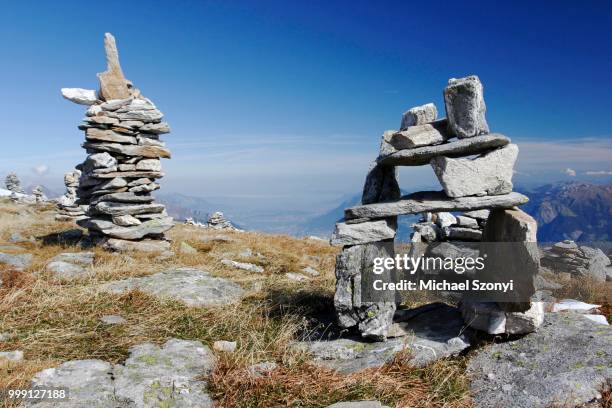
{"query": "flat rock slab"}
[(151, 376), (19, 262), (192, 286), (433, 201), (456, 148), (565, 363), (433, 332), (70, 265)]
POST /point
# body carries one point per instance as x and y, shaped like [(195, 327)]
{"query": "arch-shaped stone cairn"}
[(475, 170), (122, 140)]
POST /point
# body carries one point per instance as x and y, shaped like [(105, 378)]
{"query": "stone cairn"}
[(68, 208), (122, 140), (216, 221), (13, 184), (475, 170), (39, 195)]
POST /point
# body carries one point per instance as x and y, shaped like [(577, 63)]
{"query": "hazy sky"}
[(286, 101)]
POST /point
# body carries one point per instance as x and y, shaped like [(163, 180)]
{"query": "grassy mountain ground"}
[(54, 322)]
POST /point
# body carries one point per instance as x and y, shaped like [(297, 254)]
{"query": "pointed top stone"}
[(113, 84)]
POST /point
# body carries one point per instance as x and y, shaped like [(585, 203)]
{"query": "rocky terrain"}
[(231, 334)]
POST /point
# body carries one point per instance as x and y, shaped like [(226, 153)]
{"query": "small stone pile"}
[(13, 183), (578, 261), (39, 195), (475, 169), (68, 208), (444, 226), (122, 140), (218, 221)]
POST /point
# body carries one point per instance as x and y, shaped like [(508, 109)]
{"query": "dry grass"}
[(52, 322)]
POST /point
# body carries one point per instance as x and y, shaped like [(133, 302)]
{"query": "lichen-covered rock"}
[(192, 286), (152, 376), (565, 363), (155, 376)]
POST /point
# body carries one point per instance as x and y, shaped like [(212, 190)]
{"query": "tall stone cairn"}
[(477, 204), (122, 141)]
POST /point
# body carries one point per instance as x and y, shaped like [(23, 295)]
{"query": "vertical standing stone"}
[(465, 107), (113, 84), (380, 185), (356, 303)]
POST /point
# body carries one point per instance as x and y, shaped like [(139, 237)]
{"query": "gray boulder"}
[(18, 261), (465, 107), (489, 174), (565, 363), (192, 286), (151, 376), (146, 245), (429, 333)]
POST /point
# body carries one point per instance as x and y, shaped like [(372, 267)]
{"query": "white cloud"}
[(41, 169), (598, 173), (570, 172)]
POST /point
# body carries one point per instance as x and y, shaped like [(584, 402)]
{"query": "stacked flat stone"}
[(475, 170), (218, 221), (444, 226), (13, 183), (39, 194), (68, 207), (122, 140)]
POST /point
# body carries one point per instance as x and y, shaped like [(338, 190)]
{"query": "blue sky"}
[(283, 103)]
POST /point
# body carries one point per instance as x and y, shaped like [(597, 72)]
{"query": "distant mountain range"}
[(569, 210), (573, 210)]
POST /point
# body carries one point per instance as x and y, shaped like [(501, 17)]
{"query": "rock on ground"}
[(245, 266), (164, 376), (16, 355), (19, 261), (431, 332), (147, 245), (192, 286), (565, 363), (70, 265), (112, 319)]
